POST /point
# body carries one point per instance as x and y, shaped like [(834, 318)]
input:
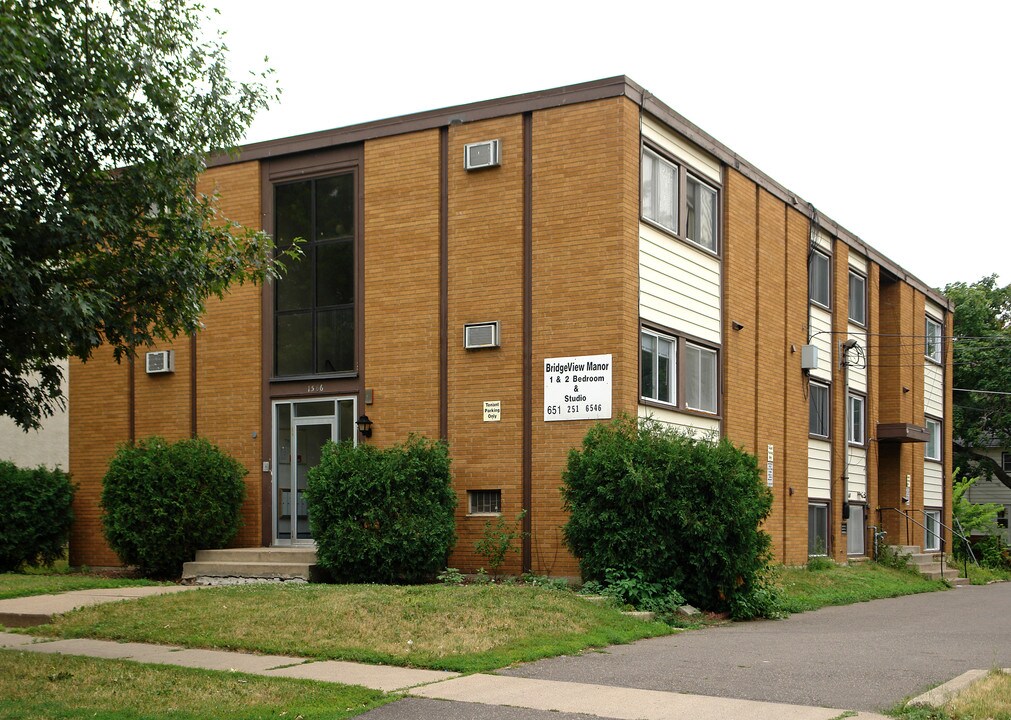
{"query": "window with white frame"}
[(932, 530), (932, 346), (659, 190), (856, 530), (819, 283), (658, 367), (858, 299), (700, 378), (933, 449), (701, 214), (817, 529), (819, 409), (484, 502), (856, 423)]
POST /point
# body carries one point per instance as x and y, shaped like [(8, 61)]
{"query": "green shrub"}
[(382, 515), (164, 501), (498, 540), (658, 596), (37, 516), (646, 500)]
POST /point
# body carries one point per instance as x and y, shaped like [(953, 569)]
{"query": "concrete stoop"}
[(237, 566), (929, 564)]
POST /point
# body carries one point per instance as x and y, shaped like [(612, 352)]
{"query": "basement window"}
[(484, 502)]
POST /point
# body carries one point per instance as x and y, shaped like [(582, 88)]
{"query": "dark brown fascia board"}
[(617, 86), (430, 119)]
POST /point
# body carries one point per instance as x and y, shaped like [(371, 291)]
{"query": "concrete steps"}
[(929, 565), (236, 566)]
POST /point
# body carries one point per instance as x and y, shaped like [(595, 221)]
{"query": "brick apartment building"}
[(599, 255)]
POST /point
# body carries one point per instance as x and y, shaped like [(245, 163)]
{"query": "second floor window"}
[(659, 190), (858, 299), (932, 346), (819, 410)]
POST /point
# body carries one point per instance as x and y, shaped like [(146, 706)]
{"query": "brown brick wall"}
[(99, 420), (401, 177), (228, 390), (486, 284), (585, 286), (765, 290), (229, 366)]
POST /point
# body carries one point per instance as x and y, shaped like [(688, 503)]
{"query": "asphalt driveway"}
[(867, 656)]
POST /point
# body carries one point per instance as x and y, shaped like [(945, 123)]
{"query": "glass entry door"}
[(301, 428)]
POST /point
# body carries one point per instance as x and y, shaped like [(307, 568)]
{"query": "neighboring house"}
[(49, 445), (506, 273), (992, 490)]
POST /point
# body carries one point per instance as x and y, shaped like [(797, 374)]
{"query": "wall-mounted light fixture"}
[(364, 426), (736, 325)]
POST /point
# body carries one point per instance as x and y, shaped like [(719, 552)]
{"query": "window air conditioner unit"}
[(480, 335), (161, 361), (481, 155)]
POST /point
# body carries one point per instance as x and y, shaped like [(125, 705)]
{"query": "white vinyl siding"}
[(858, 371), (692, 424), (933, 389), (699, 160), (858, 473), (933, 484), (679, 285), (821, 338), (858, 263), (819, 469)]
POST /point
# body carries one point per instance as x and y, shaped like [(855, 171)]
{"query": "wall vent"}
[(161, 361), (480, 335), (481, 155)]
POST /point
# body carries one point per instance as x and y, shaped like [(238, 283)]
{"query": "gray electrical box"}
[(808, 357)]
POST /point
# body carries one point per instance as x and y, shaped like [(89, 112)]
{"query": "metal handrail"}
[(958, 533)]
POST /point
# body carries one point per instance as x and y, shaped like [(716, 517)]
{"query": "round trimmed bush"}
[(382, 515), (649, 502), (164, 501), (37, 516)]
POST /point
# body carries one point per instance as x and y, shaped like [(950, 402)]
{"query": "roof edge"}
[(617, 86)]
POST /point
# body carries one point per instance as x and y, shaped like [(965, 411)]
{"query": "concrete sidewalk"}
[(488, 690), (40, 609)]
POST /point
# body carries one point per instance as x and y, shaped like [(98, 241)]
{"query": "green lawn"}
[(805, 589), (467, 629), (14, 585), (36, 686)]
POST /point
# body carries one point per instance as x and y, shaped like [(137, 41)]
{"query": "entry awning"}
[(902, 433)]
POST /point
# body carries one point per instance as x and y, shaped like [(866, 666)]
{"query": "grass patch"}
[(809, 589), (979, 575), (13, 585), (986, 699), (467, 629), (36, 686)]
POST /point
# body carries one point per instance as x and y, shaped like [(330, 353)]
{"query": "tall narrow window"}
[(818, 278), (819, 409), (700, 378), (932, 530), (701, 213), (658, 367), (932, 347), (314, 326), (858, 299), (856, 422), (817, 529), (933, 449), (659, 190)]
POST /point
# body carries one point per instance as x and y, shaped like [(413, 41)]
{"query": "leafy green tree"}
[(108, 111), (972, 517), (982, 375)]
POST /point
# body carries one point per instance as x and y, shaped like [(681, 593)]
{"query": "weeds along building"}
[(506, 273)]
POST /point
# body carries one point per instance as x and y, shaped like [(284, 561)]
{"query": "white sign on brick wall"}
[(577, 388)]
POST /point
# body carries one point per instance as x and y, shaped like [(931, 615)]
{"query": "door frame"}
[(334, 422)]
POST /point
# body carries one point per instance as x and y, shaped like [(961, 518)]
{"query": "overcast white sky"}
[(889, 116)]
